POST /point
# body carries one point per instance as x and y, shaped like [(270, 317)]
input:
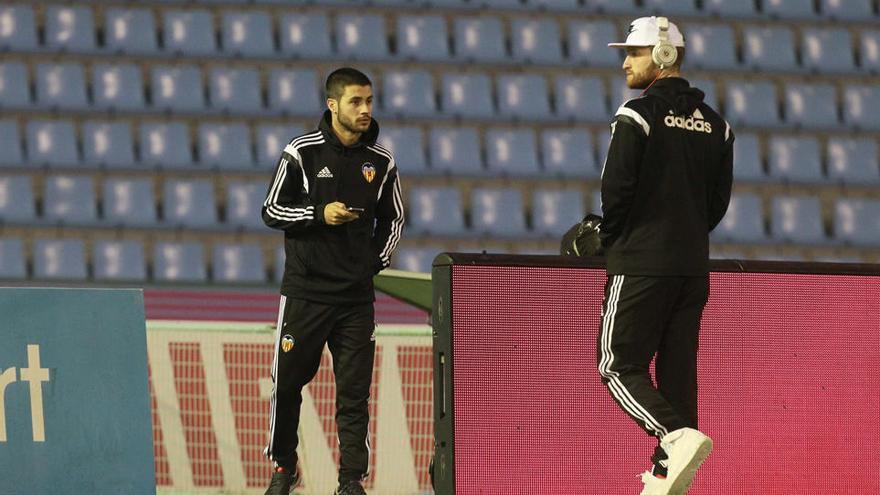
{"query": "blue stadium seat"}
[(858, 102), (581, 98), (536, 40), (19, 31), (789, 9), (237, 263), (12, 259), (130, 31), (555, 5), (107, 144), (16, 199), (857, 221), (10, 143), (61, 86), (747, 162), (165, 145), (244, 201), (672, 7), (588, 43), (797, 219), (69, 199), (711, 46), (117, 87), (751, 103), (497, 212), (177, 88), (248, 34), (456, 150), (436, 211), (361, 37), (271, 140), (847, 10), (119, 261), (869, 50), (811, 105), (61, 259), (294, 92), (615, 6), (189, 32), (479, 39), (467, 95), (768, 48), (568, 153), (179, 262), (14, 91), (422, 37), (70, 28), (408, 93), (620, 93), (852, 160), (129, 202), (523, 96), (827, 50), (726, 8), (226, 146), (555, 210), (512, 152), (52, 142), (189, 203), (235, 90), (743, 222), (795, 159), (408, 146), (415, 259), (305, 35)]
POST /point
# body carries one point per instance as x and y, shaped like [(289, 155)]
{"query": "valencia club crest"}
[(369, 171)]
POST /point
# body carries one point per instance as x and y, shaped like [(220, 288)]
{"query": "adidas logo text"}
[(693, 123), (325, 173)]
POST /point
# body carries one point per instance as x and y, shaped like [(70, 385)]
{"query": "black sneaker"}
[(283, 482), (350, 488)]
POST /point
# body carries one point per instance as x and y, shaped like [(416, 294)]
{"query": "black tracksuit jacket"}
[(666, 182), (334, 264)]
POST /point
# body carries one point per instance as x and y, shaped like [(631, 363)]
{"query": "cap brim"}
[(623, 45)]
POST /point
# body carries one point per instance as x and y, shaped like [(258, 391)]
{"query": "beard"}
[(351, 125), (640, 81)]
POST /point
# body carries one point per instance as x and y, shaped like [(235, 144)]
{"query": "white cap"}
[(645, 31)]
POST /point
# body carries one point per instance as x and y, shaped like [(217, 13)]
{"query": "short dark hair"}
[(340, 78)]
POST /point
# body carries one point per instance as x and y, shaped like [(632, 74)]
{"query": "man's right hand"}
[(336, 214)]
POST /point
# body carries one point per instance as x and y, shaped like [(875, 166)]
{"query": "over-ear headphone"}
[(664, 53)]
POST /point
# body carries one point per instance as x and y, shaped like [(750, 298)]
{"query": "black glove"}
[(582, 239)]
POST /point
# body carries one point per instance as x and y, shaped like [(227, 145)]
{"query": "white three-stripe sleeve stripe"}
[(272, 399), (274, 209), (397, 200), (629, 112)]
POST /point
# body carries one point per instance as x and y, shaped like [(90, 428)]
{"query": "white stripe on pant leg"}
[(272, 405)]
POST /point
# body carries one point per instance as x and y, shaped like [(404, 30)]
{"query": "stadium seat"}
[(189, 32), (69, 200), (588, 43), (226, 146), (789, 9), (555, 5), (17, 199), (811, 105), (12, 259), (847, 10), (14, 91), (795, 159), (248, 34), (536, 40), (107, 144), (615, 6), (422, 37), (415, 259), (857, 221), (523, 96), (869, 50), (408, 93), (852, 160), (244, 201), (179, 262), (467, 95), (61, 259), (436, 211), (271, 140), (188, 203), (61, 86), (69, 28), (555, 210), (672, 7), (568, 153), (747, 162), (455, 150), (235, 90), (177, 88), (727, 9), (479, 39), (129, 202), (581, 98), (165, 145), (294, 92), (119, 261), (361, 37), (237, 263), (117, 87), (19, 31), (512, 152), (52, 142), (860, 104), (497, 212), (743, 222), (130, 31), (305, 35), (827, 50), (10, 143), (797, 219), (408, 146), (711, 46), (769, 48), (621, 93), (751, 103)]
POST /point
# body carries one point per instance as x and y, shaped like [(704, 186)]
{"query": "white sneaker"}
[(653, 485), (686, 449)]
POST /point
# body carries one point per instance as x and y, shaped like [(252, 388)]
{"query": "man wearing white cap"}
[(665, 185)]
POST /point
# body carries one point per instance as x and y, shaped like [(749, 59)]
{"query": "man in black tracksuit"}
[(336, 195), (665, 185)]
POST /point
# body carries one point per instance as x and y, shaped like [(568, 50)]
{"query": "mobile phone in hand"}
[(354, 209)]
